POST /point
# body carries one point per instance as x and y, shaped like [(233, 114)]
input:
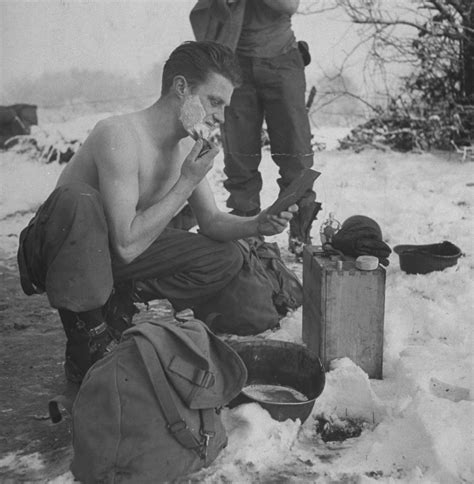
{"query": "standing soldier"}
[(273, 89)]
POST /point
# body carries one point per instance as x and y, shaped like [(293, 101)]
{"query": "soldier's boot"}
[(120, 309), (88, 340)]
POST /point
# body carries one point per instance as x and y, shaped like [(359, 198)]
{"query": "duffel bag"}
[(148, 411)]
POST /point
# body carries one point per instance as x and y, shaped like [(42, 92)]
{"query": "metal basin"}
[(284, 364)]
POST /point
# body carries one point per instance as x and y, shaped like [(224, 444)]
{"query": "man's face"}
[(203, 106), (214, 94)]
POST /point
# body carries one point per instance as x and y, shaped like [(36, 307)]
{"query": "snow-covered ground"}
[(418, 420)]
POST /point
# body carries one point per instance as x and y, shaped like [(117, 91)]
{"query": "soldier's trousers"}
[(272, 90), (65, 252)]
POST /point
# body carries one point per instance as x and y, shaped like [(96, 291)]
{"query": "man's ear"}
[(180, 86)]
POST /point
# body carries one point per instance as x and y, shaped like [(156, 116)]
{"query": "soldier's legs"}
[(64, 252), (282, 85), (241, 138), (183, 267)]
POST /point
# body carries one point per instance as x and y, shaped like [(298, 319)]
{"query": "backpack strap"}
[(176, 424), (207, 430)]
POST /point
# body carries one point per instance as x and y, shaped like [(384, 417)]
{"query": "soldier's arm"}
[(224, 226), (132, 231)]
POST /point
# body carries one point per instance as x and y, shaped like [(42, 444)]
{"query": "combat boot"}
[(87, 342), (120, 308)]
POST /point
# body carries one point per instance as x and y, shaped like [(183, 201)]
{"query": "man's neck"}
[(163, 123)]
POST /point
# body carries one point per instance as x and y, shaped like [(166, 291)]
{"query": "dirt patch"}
[(339, 430), (31, 373)]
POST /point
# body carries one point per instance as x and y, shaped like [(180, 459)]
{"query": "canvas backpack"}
[(257, 297), (146, 413)]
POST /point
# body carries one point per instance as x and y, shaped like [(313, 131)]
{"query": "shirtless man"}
[(105, 224)]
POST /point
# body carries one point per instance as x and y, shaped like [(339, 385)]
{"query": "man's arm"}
[(284, 6), (132, 231), (222, 226)]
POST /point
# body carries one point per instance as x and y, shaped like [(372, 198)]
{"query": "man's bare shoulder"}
[(115, 128), (112, 145), (115, 136)]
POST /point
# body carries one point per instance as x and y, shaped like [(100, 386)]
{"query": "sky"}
[(118, 36), (129, 36)]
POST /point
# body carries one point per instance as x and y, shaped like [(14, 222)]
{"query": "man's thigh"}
[(243, 120), (177, 253), (282, 87)]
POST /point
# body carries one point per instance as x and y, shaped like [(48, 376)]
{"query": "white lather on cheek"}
[(192, 115)]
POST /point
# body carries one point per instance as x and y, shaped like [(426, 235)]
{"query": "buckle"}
[(177, 427), (111, 346), (207, 437), (97, 330), (205, 443), (207, 379)]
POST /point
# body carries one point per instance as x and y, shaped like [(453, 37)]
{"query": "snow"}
[(418, 420)]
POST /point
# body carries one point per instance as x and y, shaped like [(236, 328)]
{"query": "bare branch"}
[(460, 9), (362, 100), (443, 10), (420, 28), (311, 10)]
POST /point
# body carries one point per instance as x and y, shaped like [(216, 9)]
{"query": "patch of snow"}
[(15, 460), (330, 136), (24, 183), (348, 394)]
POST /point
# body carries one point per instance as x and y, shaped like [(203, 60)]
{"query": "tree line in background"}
[(432, 40), (87, 90)]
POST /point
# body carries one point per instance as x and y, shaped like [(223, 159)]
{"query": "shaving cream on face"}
[(192, 115)]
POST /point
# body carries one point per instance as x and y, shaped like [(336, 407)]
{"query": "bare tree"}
[(432, 41), (434, 35)]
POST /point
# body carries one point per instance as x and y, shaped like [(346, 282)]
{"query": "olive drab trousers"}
[(273, 89), (65, 252)]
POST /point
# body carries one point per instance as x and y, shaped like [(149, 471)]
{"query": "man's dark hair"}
[(196, 60)]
